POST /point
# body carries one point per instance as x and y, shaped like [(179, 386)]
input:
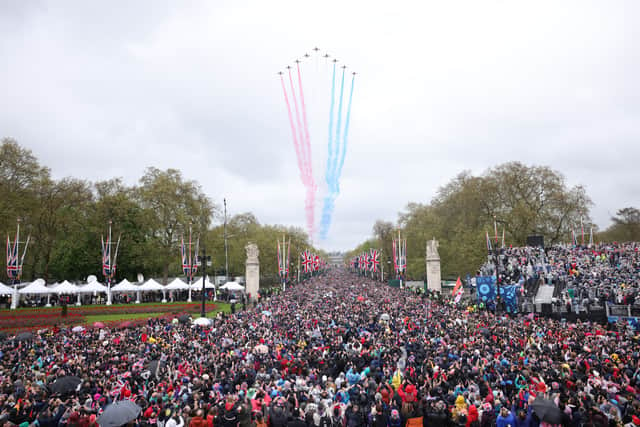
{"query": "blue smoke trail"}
[(346, 135), (334, 179), (333, 175)]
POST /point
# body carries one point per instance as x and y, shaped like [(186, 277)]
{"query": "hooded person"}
[(459, 410), (395, 420), (473, 417), (408, 393)]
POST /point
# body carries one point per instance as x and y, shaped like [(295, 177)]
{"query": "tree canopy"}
[(66, 219), (521, 200)]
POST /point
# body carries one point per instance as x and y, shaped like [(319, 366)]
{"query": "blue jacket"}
[(506, 421)]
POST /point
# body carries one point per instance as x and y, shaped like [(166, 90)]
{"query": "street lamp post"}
[(226, 253), (204, 260)]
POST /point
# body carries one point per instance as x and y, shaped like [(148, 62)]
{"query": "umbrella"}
[(25, 336), (174, 321), (65, 385), (385, 317), (485, 332), (547, 411), (185, 318), (202, 321), (154, 367), (98, 325), (77, 329), (119, 413), (266, 312)]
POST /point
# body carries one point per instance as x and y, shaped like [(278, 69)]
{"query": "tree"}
[(117, 203), (20, 178), (529, 200), (522, 200), (61, 213), (171, 204), (625, 227)]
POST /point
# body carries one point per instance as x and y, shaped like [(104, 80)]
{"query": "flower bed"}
[(18, 320)]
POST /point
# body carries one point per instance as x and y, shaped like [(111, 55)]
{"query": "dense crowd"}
[(337, 350), (606, 273)]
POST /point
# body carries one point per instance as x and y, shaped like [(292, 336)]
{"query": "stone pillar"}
[(433, 266), (252, 271)]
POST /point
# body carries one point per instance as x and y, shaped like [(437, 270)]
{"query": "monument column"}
[(433, 266), (252, 271)]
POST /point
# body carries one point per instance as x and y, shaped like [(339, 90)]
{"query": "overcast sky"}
[(104, 89)]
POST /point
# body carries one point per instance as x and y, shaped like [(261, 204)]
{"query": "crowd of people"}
[(336, 350), (583, 275)]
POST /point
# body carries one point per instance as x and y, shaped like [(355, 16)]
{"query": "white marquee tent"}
[(197, 284), (35, 288), (232, 286), (65, 287), (125, 286), (94, 286), (177, 285), (5, 290)]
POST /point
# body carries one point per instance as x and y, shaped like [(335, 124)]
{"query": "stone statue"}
[(432, 248), (433, 266), (252, 252)]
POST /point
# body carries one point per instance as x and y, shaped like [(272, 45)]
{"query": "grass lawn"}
[(71, 306), (118, 316), (220, 307)]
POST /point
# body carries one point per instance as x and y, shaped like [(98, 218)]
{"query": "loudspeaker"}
[(536, 241)]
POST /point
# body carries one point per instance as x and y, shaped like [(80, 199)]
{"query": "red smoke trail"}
[(305, 160), (307, 138), (293, 132), (310, 202)]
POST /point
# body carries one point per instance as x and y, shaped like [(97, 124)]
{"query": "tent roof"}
[(197, 284), (151, 285), (94, 286), (177, 284), (232, 286), (36, 287), (5, 290), (125, 286), (65, 288)]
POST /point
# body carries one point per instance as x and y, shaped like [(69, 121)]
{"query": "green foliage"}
[(66, 219), (625, 227), (522, 200)]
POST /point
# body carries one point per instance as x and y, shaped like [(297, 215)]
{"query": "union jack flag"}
[(316, 263), (186, 267), (13, 267), (306, 261), (106, 258), (375, 262)]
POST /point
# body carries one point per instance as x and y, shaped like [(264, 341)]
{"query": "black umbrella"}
[(24, 336), (65, 385), (119, 413), (154, 367), (185, 318), (547, 411), (485, 332)]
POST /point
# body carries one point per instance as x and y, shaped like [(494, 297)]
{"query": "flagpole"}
[(190, 273), (15, 279), (108, 276)]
